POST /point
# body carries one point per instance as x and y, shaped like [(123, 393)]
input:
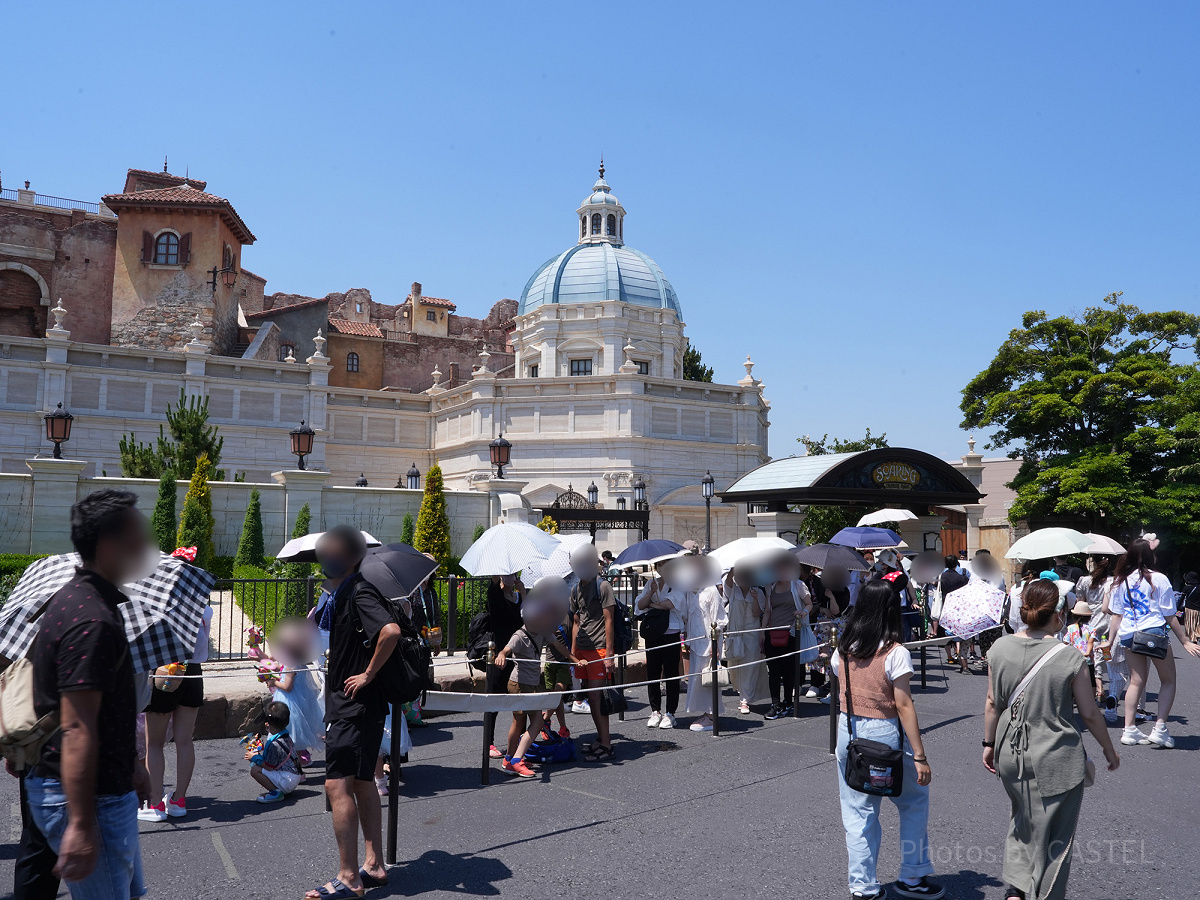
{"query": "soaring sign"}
[(896, 476)]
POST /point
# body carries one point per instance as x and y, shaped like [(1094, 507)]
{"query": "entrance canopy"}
[(890, 476)]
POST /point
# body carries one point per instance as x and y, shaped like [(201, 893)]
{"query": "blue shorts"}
[(118, 872), (1161, 630)]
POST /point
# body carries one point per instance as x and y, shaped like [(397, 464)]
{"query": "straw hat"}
[(1081, 608)]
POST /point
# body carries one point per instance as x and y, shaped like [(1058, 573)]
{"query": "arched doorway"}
[(24, 298)]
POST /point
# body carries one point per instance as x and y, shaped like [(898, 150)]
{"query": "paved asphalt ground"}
[(752, 813)]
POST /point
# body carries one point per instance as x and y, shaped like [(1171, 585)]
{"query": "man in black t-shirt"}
[(362, 635), (82, 667)]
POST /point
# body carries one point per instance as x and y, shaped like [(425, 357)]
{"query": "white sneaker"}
[(702, 724), (743, 707), (581, 706), (152, 813), (653, 721), (1132, 735), (1158, 737), (667, 721), (812, 692)]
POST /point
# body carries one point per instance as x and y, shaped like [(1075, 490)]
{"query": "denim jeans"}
[(118, 872), (860, 812)]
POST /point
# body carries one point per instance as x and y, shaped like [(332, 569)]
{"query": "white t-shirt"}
[(1142, 605), (897, 663), (200, 655), (1015, 622)]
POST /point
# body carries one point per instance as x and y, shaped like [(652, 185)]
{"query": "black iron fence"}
[(242, 603)]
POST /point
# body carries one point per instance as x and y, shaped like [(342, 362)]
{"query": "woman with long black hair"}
[(1143, 601), (878, 667)]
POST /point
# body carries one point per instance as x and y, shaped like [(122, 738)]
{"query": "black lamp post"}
[(414, 478), (501, 450), (639, 493), (302, 441), (621, 503), (709, 486), (593, 494), (361, 480), (58, 429)]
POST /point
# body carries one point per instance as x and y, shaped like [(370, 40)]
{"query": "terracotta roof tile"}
[(436, 301), (362, 329), (183, 195), (168, 177)]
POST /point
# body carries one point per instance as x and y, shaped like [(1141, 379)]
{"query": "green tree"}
[(1104, 409), (478, 532), (191, 436), (823, 522), (694, 368), (297, 571), (250, 546), (196, 521), (432, 533), (408, 529), (162, 521)]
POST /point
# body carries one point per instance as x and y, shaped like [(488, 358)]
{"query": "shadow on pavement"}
[(967, 885), (437, 870)]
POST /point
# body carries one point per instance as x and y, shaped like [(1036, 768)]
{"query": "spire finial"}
[(602, 164), (164, 163)]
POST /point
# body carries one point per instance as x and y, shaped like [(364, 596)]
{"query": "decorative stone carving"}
[(58, 312)]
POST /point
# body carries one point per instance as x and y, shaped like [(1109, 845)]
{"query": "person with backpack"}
[(593, 636), (873, 670), (83, 791), (504, 596), (363, 632), (1031, 742), (1143, 616), (661, 626)]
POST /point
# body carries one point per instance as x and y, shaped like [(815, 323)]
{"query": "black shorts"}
[(352, 747), (190, 693)]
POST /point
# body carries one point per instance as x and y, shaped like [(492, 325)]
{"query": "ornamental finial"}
[(601, 165)]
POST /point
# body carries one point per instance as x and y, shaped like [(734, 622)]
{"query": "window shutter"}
[(185, 249), (147, 247)]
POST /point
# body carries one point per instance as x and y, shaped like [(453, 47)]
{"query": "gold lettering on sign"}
[(896, 476)]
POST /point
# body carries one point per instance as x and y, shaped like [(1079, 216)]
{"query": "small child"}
[(1079, 635), (543, 611), (298, 684), (274, 766)]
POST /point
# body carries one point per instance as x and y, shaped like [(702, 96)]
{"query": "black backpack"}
[(479, 635), (408, 672)]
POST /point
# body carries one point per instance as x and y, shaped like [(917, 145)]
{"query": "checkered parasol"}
[(162, 617)]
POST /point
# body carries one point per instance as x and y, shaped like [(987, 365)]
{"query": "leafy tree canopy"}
[(823, 522), (1104, 408)]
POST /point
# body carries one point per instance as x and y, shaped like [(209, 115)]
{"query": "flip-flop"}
[(370, 881), (340, 891)]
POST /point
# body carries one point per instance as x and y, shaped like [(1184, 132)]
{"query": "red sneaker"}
[(176, 806), (517, 767), (564, 732)]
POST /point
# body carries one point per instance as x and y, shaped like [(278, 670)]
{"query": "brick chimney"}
[(416, 293)]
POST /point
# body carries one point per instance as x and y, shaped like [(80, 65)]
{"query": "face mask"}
[(145, 566), (763, 577), (333, 568)]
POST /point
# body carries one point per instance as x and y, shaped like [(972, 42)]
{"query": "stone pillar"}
[(974, 514), (55, 488), (58, 342), (302, 486), (318, 395), (196, 356), (494, 487), (777, 524)]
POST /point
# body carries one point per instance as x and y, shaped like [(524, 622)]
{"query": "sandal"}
[(370, 881), (600, 753), (339, 892)]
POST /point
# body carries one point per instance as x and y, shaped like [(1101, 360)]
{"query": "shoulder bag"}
[(872, 767), (1089, 776)]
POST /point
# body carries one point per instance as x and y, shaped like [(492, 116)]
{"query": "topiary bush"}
[(250, 545)]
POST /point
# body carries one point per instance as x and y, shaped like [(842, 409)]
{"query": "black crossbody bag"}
[(872, 767)]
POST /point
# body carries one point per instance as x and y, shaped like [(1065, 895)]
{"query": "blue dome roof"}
[(593, 273)]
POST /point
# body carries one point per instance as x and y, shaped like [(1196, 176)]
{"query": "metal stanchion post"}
[(715, 658), (485, 767), (924, 632), (451, 615), (393, 788), (835, 695)]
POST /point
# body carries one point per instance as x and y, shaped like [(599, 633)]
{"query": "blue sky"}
[(864, 197)]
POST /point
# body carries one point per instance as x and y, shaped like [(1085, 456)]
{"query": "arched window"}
[(286, 350), (612, 225), (166, 249), (351, 362), (583, 226), (595, 223), (227, 257)]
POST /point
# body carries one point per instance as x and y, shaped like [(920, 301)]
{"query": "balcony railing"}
[(53, 202)]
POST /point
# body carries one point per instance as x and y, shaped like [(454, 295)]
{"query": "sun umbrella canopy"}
[(882, 516), (1103, 546), (972, 609), (162, 616), (304, 549), (1047, 542), (507, 548), (734, 552), (866, 538), (396, 569), (831, 556), (557, 563), (648, 552)]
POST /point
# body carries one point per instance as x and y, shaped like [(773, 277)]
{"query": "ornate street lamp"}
[(639, 493), (361, 480), (302, 441), (58, 429), (621, 503), (228, 276), (709, 487), (414, 478), (593, 494), (501, 450)]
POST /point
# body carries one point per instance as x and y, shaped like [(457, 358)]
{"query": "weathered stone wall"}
[(73, 252), (164, 326), (408, 364)]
